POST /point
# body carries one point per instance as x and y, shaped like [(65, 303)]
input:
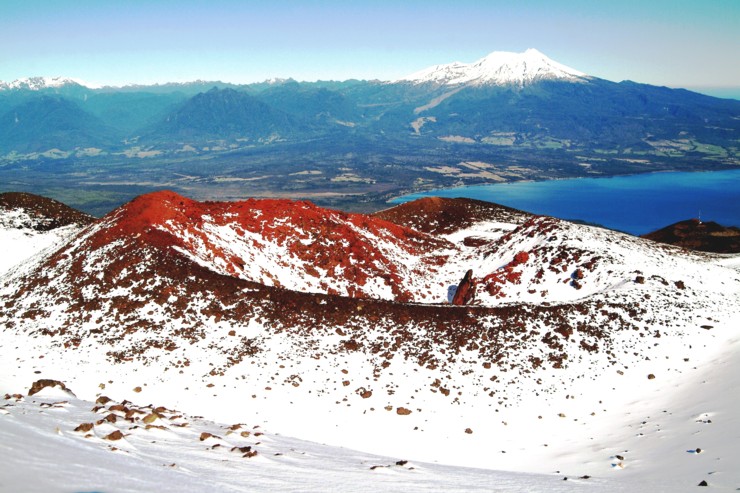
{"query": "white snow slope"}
[(654, 407), (497, 68), (172, 454), (20, 241)]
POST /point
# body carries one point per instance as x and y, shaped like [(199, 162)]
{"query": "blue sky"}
[(678, 43)]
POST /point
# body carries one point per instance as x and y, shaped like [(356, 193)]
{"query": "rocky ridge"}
[(30, 224), (24, 210), (695, 234)]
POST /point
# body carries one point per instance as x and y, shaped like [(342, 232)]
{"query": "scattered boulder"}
[(703, 483), (402, 411), (39, 385), (116, 435), (364, 393), (640, 279), (468, 431), (85, 427), (651, 377), (242, 450)]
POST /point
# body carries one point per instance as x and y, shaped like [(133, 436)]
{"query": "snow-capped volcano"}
[(497, 68), (40, 83)]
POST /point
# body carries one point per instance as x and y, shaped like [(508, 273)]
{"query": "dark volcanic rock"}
[(697, 235), (85, 427), (115, 435), (465, 290), (39, 385)]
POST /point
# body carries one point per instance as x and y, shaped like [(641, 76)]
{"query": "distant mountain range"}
[(502, 99), (513, 115)]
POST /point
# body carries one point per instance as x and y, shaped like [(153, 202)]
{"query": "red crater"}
[(293, 244)]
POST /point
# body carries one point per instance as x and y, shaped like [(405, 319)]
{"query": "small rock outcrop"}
[(465, 290), (39, 385)]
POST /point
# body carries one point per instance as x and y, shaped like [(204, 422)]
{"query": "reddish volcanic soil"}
[(318, 239)]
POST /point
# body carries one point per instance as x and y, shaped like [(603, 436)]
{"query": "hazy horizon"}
[(672, 43)]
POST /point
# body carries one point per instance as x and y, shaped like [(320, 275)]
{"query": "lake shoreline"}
[(666, 197)]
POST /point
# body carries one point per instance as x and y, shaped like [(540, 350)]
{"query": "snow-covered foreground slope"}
[(167, 451), (657, 442), (585, 353)]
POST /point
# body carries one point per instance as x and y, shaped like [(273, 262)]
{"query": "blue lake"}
[(636, 204)]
